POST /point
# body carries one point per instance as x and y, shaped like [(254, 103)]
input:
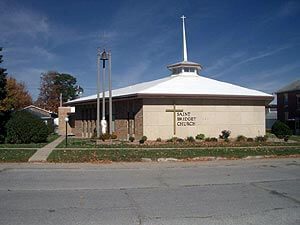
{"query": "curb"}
[(209, 158)]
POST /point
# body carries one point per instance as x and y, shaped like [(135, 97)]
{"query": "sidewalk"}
[(42, 154)]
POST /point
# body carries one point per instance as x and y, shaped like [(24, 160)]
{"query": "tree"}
[(17, 96), (52, 85), (2, 80), (3, 114)]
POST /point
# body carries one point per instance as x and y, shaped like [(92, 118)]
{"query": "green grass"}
[(50, 138), (16, 155), (88, 143), (131, 155)]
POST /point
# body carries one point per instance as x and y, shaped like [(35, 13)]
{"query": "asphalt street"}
[(209, 193)]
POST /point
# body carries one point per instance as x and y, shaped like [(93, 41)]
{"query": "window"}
[(176, 71), (285, 99)]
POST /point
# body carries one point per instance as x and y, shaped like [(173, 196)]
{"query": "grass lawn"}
[(50, 138), (131, 155), (89, 143), (16, 155)]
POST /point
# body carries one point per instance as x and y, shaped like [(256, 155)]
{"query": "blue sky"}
[(255, 44)]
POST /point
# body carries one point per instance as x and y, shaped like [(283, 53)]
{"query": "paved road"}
[(223, 192)]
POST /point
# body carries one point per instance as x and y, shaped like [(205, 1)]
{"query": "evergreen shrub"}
[(241, 138), (200, 136), (179, 140), (24, 127), (105, 136), (190, 139), (213, 139), (261, 138), (113, 136), (280, 129), (131, 138), (144, 138)]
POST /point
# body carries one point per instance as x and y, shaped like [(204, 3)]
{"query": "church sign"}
[(181, 118), (185, 119)]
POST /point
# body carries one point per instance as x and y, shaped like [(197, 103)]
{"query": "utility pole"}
[(60, 100)]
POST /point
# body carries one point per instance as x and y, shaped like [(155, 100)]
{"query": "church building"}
[(182, 104)]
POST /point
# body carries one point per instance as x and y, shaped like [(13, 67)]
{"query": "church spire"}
[(184, 40), (185, 67)]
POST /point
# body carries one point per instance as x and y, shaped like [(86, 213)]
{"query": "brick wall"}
[(291, 107), (64, 112)]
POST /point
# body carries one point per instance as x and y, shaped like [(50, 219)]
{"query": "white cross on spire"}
[(184, 39)]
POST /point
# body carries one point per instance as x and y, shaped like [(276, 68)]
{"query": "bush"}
[(213, 139), (249, 139), (179, 140), (281, 130), (113, 136), (207, 139), (104, 137), (24, 127), (190, 139), (225, 134), (170, 140), (200, 136), (158, 139), (131, 138), (261, 138), (51, 128), (241, 138), (4, 117), (144, 138)]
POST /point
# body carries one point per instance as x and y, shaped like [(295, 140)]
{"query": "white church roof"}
[(182, 84), (184, 80)]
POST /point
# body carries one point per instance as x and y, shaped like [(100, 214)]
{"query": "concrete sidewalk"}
[(42, 154)]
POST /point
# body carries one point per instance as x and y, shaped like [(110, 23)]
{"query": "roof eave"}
[(268, 99)]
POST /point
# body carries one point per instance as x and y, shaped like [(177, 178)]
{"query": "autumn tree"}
[(17, 96), (52, 85)]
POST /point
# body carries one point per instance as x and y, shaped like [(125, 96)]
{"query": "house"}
[(288, 105), (271, 114), (45, 115)]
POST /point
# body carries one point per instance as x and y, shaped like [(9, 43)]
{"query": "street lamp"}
[(66, 120)]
